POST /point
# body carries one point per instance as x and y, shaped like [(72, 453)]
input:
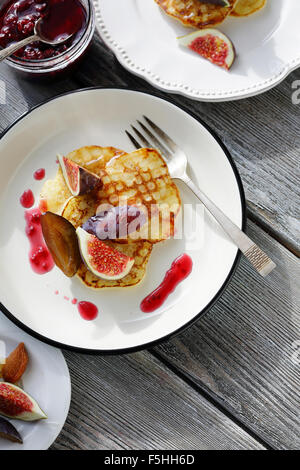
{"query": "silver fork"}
[(176, 160)]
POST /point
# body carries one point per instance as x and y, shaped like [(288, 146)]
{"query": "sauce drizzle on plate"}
[(87, 310), (27, 199), (180, 269), (39, 256), (39, 174)]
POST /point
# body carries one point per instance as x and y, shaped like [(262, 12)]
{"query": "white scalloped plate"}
[(143, 39)]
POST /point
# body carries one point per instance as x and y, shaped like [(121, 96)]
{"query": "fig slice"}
[(61, 240), (78, 179), (15, 364), (212, 45), (102, 260), (9, 432), (115, 222), (17, 404)]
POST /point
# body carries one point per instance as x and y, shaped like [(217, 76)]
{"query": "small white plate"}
[(99, 117), (47, 380), (143, 38)]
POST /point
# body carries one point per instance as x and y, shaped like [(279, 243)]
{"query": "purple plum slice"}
[(61, 240), (221, 3), (9, 432), (78, 179), (115, 222)]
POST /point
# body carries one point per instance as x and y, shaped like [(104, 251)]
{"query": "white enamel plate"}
[(47, 380), (99, 117), (144, 39)]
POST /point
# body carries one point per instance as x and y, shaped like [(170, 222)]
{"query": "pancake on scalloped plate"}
[(195, 13), (247, 7), (210, 43)]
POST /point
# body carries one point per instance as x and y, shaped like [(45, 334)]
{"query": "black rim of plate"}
[(153, 343)]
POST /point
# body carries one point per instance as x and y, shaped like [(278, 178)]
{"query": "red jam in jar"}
[(60, 19)]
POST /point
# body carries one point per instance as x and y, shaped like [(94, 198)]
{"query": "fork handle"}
[(261, 262)]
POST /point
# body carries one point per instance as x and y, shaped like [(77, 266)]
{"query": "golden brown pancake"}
[(78, 209), (140, 251), (247, 7), (195, 13), (141, 178), (55, 192), (94, 158)]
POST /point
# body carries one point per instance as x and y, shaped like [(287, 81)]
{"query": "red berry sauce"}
[(27, 199), (87, 310), (180, 269), (39, 256), (61, 18), (39, 174)]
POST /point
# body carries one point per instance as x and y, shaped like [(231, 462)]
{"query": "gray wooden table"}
[(232, 380)]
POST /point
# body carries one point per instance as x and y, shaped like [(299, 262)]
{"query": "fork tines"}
[(152, 141), (165, 137), (176, 160)]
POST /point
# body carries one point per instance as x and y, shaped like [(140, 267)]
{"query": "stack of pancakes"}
[(139, 179)]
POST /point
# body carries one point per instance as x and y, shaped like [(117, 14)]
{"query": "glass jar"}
[(61, 62)]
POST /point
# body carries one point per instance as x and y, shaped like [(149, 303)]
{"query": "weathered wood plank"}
[(241, 352), (134, 402), (262, 133)]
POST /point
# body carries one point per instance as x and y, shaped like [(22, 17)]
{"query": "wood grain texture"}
[(241, 352), (134, 402), (262, 133)]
